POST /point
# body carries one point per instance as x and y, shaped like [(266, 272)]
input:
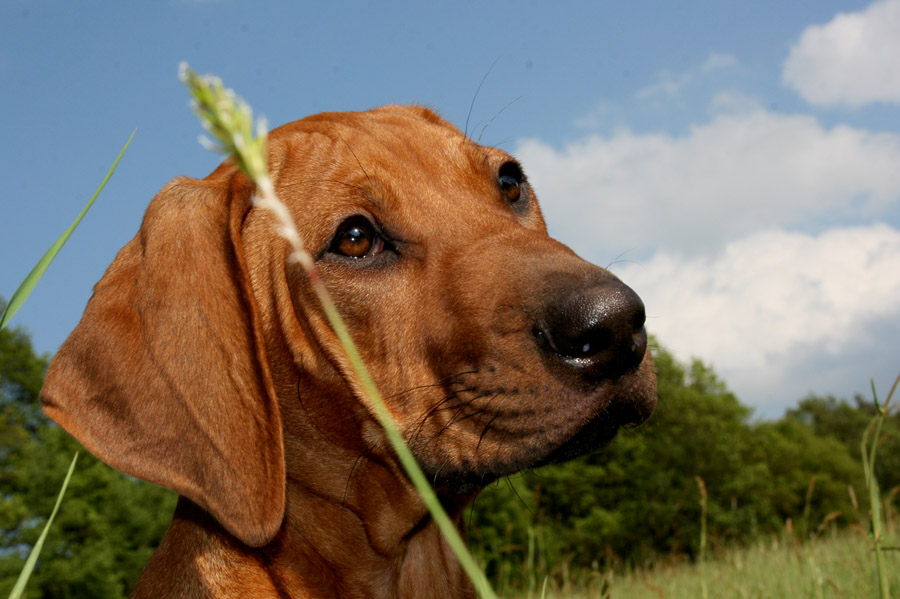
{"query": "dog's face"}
[(204, 362), (496, 347)]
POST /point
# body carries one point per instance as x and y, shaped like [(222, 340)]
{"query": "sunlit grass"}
[(869, 451), (837, 565)]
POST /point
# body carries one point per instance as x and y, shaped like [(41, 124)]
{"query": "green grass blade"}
[(24, 290), (229, 120), (36, 550), (408, 461)]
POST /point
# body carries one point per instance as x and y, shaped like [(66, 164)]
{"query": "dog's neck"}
[(353, 527)]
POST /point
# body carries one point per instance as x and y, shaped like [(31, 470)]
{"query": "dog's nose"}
[(597, 330)]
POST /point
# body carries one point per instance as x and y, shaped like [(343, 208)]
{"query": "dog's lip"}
[(573, 421), (620, 412), (596, 434)]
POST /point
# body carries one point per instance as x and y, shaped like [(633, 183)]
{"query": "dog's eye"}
[(510, 180), (356, 238), (510, 188)]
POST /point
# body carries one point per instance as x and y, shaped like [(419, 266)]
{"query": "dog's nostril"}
[(639, 345), (573, 344), (588, 344), (639, 319)]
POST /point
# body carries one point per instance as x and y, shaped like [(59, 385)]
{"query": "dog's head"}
[(203, 358)]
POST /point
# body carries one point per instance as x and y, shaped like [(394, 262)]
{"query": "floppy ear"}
[(165, 377)]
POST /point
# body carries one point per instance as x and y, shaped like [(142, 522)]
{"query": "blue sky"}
[(737, 163)]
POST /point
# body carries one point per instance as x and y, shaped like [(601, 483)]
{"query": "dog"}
[(204, 363)]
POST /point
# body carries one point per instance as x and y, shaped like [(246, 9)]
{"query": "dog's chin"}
[(628, 404), (464, 482), (594, 436)]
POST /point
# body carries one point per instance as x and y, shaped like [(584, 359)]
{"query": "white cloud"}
[(669, 84), (852, 60), (599, 115), (780, 314), (733, 102), (743, 232), (742, 172), (717, 61)]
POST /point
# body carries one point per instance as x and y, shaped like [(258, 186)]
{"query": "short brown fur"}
[(204, 364)]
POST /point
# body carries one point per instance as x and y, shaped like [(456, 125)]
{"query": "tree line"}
[(634, 503)]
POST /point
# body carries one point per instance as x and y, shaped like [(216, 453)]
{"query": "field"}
[(836, 565)]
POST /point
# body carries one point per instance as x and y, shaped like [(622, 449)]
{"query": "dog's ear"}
[(165, 377)]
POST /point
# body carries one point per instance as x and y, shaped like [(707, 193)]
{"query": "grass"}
[(869, 452), (829, 563), (836, 565), (16, 300), (24, 290), (230, 121), (28, 568)]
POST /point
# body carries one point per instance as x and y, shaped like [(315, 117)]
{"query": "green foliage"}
[(24, 576), (108, 524), (831, 417)]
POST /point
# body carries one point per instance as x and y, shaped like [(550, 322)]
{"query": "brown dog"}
[(203, 362)]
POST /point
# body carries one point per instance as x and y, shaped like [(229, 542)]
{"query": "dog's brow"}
[(373, 195), (369, 190)]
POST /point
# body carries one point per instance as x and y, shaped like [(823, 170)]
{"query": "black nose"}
[(597, 330)]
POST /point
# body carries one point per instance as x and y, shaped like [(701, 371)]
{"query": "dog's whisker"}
[(440, 405), (358, 161), (484, 432), (356, 463), (440, 382), (454, 420), (433, 410), (515, 491), (475, 96), (493, 118), (450, 421), (458, 408)]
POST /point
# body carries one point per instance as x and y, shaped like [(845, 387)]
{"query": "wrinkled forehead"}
[(381, 160), (396, 142)]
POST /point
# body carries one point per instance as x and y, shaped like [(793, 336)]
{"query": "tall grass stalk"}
[(230, 121), (25, 574), (868, 457), (704, 499), (24, 290), (807, 508), (15, 302)]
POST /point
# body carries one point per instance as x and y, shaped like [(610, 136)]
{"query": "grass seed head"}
[(229, 120)]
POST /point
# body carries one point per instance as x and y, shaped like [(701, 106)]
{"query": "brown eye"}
[(510, 188), (510, 181), (356, 238)]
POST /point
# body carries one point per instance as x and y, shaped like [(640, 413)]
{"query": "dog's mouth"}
[(468, 479), (597, 434), (515, 441)]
